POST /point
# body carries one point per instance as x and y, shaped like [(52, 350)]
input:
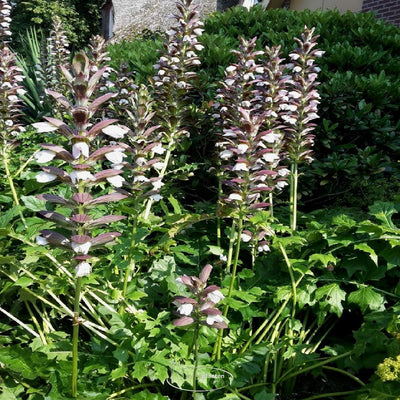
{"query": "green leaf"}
[(9, 215), (325, 259), (119, 372), (331, 297), (24, 281), (383, 211), (33, 203), (367, 297), (364, 247), (5, 199), (139, 370)]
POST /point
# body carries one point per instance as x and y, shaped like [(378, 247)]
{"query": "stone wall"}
[(154, 15)]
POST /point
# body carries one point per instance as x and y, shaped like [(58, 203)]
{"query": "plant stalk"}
[(75, 337)]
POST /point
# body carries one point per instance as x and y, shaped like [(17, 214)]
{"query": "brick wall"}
[(388, 10)]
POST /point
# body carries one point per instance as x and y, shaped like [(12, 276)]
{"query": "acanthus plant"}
[(255, 104), (82, 171), (174, 81), (199, 309), (10, 89), (302, 110)]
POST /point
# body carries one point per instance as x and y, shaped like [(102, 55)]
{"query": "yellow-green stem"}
[(75, 337), (294, 285), (196, 359), (11, 185), (218, 343), (294, 178), (131, 265)]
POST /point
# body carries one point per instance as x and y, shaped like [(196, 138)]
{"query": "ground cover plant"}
[(120, 281)]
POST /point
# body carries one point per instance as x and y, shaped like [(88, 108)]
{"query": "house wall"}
[(341, 5), (385, 9)]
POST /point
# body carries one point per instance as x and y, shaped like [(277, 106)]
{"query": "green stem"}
[(264, 327), (334, 394), (218, 343), (294, 178), (11, 185), (196, 359), (289, 375), (75, 337), (131, 266), (143, 385), (35, 322), (293, 281), (341, 371)]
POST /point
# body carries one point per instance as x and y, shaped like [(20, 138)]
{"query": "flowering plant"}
[(200, 309)]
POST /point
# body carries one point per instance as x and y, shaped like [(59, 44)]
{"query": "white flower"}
[(158, 149), (77, 176), (9, 122), (223, 258), (235, 196), (44, 177), (140, 178), (283, 172), (231, 68), (245, 237), (294, 56), (240, 167), (41, 241), (289, 119), (83, 269), (80, 148), (271, 137), (226, 154), (44, 156), (156, 197), (82, 248), (140, 161), (242, 148), (157, 184), (158, 165), (116, 156), (215, 296), (116, 181), (43, 127), (198, 31), (263, 247), (281, 184), (270, 157), (214, 318), (185, 309), (115, 131), (198, 47), (294, 94)]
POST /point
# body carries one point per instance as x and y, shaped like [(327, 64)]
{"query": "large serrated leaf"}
[(383, 211), (367, 297), (331, 297)]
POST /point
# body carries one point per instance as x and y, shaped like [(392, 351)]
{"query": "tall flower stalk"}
[(302, 109), (249, 148), (199, 310), (82, 170), (173, 81), (10, 89)]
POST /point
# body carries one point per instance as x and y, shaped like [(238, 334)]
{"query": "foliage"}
[(309, 310), (81, 19)]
